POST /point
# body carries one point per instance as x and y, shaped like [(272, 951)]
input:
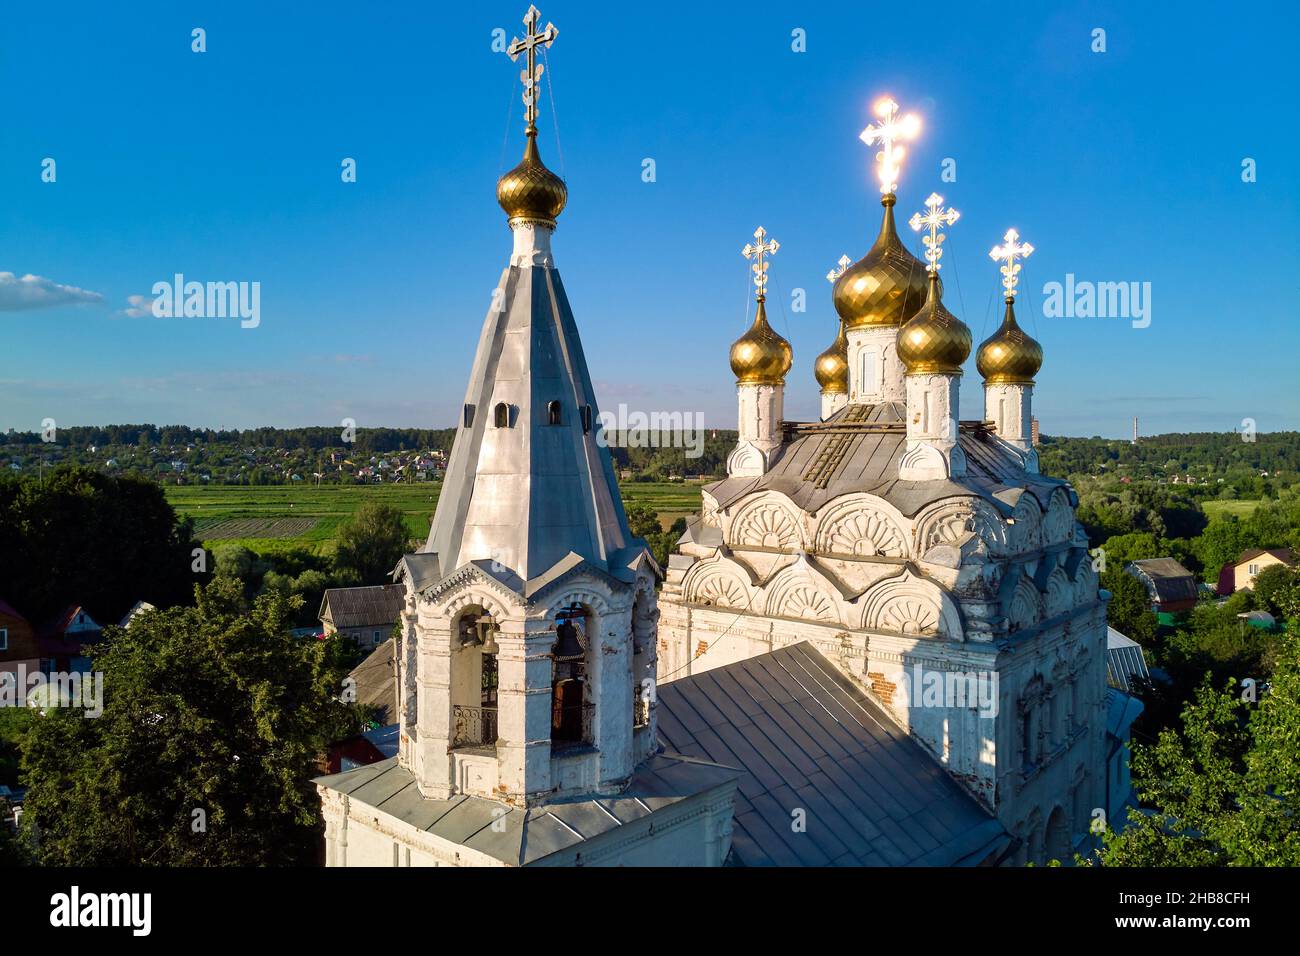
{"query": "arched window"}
[(553, 413), (571, 710), (585, 412), (502, 415)]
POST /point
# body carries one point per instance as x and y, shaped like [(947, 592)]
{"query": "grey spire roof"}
[(529, 494)]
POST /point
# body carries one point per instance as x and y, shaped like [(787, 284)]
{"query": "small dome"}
[(761, 356), (886, 286), (530, 192), (934, 341), (1009, 356), (832, 366)]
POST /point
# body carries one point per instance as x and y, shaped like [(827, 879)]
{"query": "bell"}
[(487, 630), (567, 646), (468, 633)]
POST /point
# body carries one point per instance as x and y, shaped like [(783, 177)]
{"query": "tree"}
[(82, 537), (372, 542), (1135, 546), (1225, 790), (214, 718), (1272, 587), (1129, 611)]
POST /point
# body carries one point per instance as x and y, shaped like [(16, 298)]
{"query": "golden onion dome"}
[(1009, 356), (886, 286), (761, 356), (530, 192), (832, 366), (934, 341)]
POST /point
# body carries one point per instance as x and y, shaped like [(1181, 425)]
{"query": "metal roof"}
[(808, 739), (526, 495), (525, 836), (376, 681), (867, 461), (1165, 579), (1124, 660), (374, 606)]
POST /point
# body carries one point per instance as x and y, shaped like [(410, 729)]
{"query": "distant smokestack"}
[(1135, 429), (1033, 431)]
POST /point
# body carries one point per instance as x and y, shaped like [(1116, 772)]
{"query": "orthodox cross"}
[(1010, 250), (933, 221), (891, 130), (532, 73), (842, 265), (756, 251)]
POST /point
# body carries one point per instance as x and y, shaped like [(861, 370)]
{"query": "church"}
[(882, 641)]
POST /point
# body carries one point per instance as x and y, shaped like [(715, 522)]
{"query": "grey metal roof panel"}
[(869, 463), (807, 738), (522, 837)]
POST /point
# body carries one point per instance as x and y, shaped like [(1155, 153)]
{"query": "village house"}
[(1171, 587), (365, 614), (1241, 575)]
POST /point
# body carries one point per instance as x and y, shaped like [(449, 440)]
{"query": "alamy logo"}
[(1102, 300), (631, 429), (179, 299), (18, 688), (976, 690), (133, 910)]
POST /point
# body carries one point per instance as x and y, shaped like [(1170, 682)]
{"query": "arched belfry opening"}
[(474, 680), (571, 697)]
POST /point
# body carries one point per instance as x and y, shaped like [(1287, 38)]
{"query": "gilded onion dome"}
[(761, 356), (530, 192), (1009, 356), (934, 341), (886, 286), (832, 366)]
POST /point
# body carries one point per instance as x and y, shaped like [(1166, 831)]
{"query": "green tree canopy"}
[(83, 537), (1224, 790), (213, 708), (372, 542)]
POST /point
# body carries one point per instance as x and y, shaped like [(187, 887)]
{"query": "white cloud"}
[(37, 292), (138, 306)]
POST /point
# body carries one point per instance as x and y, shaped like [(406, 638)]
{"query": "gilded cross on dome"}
[(892, 129), (840, 269), (532, 73), (756, 251), (1007, 253), (932, 221)]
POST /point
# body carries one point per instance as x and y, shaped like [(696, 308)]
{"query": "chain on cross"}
[(840, 268), (532, 73), (756, 251), (933, 220), (892, 129), (1007, 253)]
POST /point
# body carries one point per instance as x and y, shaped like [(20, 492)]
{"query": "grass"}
[(1242, 509), (268, 518)]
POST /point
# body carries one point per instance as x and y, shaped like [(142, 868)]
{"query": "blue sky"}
[(225, 166)]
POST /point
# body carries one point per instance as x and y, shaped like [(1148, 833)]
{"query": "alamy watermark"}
[(1083, 299), (180, 299), (18, 688), (921, 688), (631, 429)]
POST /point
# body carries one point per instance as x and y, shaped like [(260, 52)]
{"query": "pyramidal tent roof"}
[(529, 488)]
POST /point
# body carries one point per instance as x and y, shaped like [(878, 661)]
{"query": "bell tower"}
[(527, 662)]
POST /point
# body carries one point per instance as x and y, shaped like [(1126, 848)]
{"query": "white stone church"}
[(881, 643)]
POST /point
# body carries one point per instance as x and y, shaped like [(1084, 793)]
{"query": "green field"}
[(1242, 509), (282, 517)]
